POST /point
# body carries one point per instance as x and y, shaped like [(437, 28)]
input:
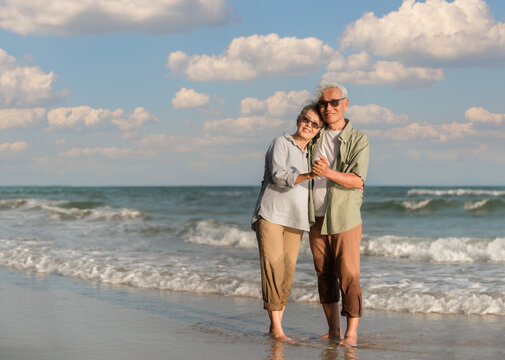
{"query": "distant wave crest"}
[(214, 233), (67, 210), (456, 192), (478, 304), (430, 204), (443, 250)]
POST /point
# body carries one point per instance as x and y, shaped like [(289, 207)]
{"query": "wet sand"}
[(53, 317)]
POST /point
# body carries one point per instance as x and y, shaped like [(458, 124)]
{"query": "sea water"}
[(424, 249)]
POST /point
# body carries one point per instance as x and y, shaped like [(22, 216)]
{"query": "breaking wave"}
[(456, 192), (443, 250)]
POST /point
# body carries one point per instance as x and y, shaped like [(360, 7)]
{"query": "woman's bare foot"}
[(280, 336), (350, 340)]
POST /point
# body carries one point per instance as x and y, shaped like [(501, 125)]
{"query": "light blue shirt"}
[(281, 201)]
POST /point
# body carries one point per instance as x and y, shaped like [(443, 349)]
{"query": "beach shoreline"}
[(55, 317)]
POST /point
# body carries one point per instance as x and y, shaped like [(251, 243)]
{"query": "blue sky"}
[(192, 92)]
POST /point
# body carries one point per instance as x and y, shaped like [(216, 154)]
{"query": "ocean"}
[(424, 249)]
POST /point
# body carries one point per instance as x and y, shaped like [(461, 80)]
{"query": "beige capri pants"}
[(337, 263), (278, 246)]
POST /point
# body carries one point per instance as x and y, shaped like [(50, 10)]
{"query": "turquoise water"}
[(424, 249)]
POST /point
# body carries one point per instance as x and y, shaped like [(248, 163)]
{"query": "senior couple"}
[(313, 182)]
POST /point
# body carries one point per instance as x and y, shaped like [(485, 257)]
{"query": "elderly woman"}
[(281, 214)]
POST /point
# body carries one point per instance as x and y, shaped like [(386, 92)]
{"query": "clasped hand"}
[(321, 166)]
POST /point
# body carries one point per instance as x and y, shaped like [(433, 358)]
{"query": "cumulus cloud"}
[(22, 85), (76, 17), (251, 126), (416, 131), (279, 104), (15, 147), (372, 114), (391, 73), (189, 98), (21, 118), (482, 125), (481, 115), (254, 56), (135, 120), (185, 144), (433, 33), (350, 63), (85, 116), (110, 152)]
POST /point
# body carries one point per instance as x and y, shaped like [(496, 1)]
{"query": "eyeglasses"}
[(333, 102), (312, 124)]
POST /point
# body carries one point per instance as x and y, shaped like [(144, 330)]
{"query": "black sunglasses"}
[(313, 124), (333, 102)]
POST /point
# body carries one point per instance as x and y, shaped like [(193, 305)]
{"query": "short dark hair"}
[(310, 106)]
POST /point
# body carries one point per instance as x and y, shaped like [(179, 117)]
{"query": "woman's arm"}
[(305, 177)]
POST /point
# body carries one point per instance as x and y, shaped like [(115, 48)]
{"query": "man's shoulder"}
[(357, 135)]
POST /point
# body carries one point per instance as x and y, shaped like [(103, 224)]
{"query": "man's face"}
[(333, 115)]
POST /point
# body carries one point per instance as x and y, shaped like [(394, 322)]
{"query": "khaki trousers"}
[(278, 246), (337, 262)]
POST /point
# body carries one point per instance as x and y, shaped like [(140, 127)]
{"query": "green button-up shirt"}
[(343, 211)]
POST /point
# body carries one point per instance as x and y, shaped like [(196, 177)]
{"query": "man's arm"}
[(349, 180)]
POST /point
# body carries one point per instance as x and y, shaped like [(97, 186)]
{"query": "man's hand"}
[(321, 166)]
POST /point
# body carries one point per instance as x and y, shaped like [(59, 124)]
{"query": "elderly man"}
[(340, 160)]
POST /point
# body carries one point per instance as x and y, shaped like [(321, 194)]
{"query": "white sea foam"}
[(6, 204), (443, 250), (416, 205), (158, 271), (213, 233), (177, 272), (479, 304), (456, 192), (57, 212), (475, 205)]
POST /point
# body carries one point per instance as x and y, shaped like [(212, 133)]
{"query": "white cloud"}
[(391, 73), (189, 98), (88, 117), (423, 132), (80, 115), (481, 115), (374, 115), (434, 32), (24, 118), (110, 152), (136, 120), (17, 146), (60, 142), (250, 126), (352, 62), (75, 17), (254, 56), (22, 85), (280, 104), (185, 144)]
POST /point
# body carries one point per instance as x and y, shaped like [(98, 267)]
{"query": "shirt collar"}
[(346, 131), (292, 141)]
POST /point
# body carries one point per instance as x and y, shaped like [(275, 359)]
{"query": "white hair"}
[(325, 85)]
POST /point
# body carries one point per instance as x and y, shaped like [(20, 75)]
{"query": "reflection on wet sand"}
[(330, 351)]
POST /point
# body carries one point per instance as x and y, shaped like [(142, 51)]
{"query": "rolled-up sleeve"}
[(359, 162), (277, 156)]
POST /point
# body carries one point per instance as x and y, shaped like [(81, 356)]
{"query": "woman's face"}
[(309, 125)]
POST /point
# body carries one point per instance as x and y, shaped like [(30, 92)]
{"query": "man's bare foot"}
[(332, 334), (351, 340)]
